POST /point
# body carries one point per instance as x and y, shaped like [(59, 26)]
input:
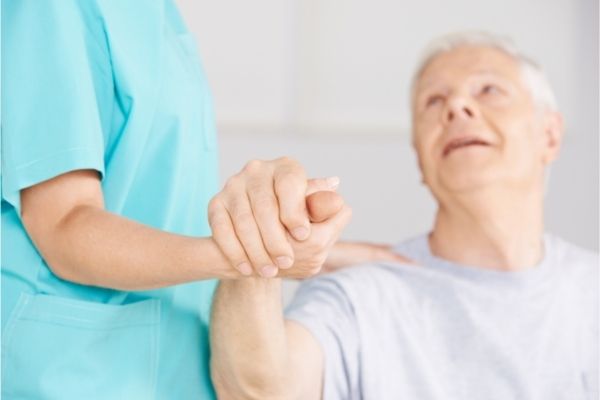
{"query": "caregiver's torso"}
[(155, 148)]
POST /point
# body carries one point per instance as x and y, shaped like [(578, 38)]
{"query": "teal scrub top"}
[(114, 86)]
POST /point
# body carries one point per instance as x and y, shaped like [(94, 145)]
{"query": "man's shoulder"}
[(571, 254), (375, 279), (577, 266)]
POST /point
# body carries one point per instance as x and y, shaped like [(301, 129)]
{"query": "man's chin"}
[(469, 180)]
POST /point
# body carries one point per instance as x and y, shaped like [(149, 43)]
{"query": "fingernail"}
[(268, 272), (300, 233), (245, 269), (333, 182), (284, 262)]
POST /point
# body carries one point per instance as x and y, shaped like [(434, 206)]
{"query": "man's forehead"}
[(468, 61)]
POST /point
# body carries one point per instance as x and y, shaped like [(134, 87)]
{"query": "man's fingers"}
[(387, 253), (330, 230), (341, 220), (395, 257)]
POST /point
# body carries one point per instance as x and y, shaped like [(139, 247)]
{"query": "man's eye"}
[(433, 100), (489, 89)]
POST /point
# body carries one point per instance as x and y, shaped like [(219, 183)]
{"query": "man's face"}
[(475, 124)]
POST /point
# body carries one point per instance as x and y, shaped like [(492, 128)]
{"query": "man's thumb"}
[(323, 205)]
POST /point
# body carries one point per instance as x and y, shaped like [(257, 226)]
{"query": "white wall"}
[(326, 81)]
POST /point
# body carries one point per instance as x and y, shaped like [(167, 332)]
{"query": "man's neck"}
[(490, 230)]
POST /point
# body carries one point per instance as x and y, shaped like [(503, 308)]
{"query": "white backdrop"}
[(326, 81)]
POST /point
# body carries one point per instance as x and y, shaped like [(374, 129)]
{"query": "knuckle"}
[(289, 167), (289, 162), (284, 160), (232, 184), (253, 166), (215, 206)]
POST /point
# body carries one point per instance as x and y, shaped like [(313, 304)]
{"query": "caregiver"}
[(109, 163)]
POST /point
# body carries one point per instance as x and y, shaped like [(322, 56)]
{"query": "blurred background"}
[(327, 81)]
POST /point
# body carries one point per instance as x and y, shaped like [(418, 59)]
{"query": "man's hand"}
[(273, 359), (260, 211), (329, 215), (326, 204)]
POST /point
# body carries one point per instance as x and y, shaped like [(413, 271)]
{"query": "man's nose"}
[(458, 108)]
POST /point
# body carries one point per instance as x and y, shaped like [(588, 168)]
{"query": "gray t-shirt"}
[(445, 331)]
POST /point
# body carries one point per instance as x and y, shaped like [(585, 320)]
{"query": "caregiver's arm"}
[(84, 243), (256, 354)]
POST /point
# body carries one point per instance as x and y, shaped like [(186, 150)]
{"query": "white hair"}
[(532, 74)]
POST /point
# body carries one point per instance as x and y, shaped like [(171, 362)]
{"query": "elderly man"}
[(493, 309)]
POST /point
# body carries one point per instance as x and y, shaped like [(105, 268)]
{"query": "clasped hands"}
[(270, 220)]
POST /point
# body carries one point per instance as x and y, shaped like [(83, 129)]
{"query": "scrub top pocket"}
[(60, 348)]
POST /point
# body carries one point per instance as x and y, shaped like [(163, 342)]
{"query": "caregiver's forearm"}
[(249, 354), (92, 246)]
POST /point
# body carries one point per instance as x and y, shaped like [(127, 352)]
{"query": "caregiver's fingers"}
[(248, 233), (224, 235), (290, 188), (265, 209), (322, 184)]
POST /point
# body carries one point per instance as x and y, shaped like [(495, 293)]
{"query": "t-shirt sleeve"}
[(323, 307), (57, 92)]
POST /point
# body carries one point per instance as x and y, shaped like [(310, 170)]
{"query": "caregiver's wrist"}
[(210, 262)]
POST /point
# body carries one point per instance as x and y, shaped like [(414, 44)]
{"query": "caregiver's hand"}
[(251, 217)]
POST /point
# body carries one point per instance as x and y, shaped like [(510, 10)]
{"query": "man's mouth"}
[(461, 143)]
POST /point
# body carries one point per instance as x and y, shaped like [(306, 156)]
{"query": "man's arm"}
[(256, 354)]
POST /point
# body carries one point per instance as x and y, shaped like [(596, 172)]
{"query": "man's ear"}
[(553, 134)]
